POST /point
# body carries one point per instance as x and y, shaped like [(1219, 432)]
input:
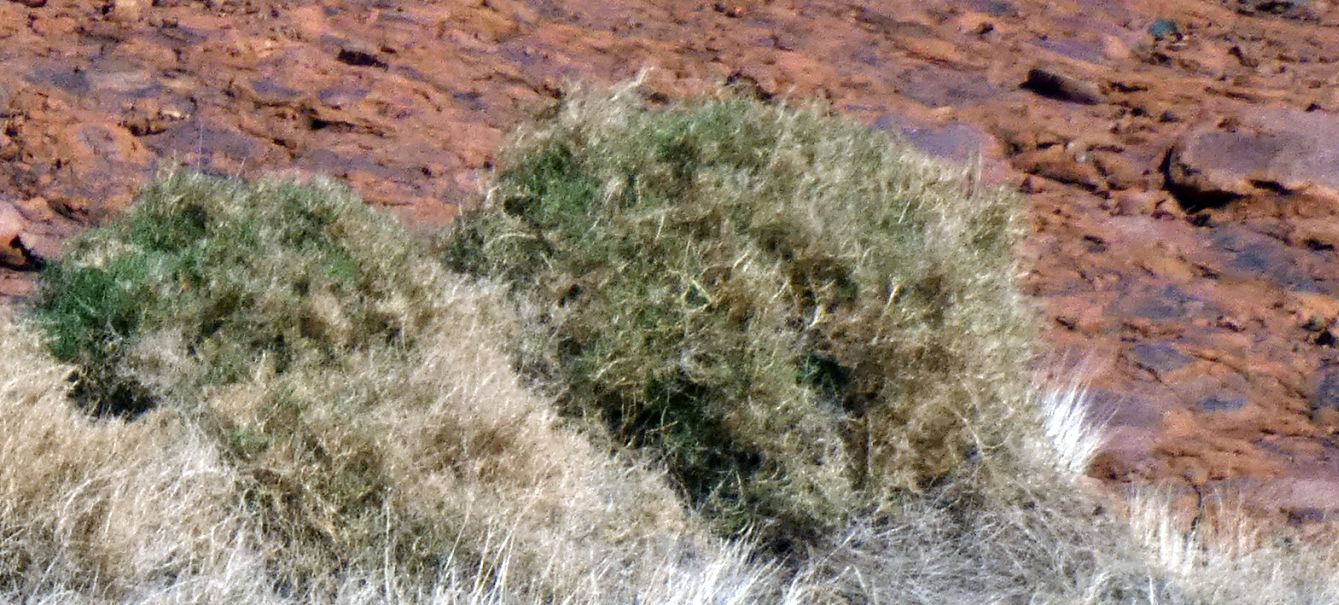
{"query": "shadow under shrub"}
[(801, 317)]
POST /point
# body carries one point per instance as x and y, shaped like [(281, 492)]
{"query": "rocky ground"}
[(1179, 159)]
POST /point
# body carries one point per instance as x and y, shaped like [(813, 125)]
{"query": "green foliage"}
[(801, 317), (242, 273)]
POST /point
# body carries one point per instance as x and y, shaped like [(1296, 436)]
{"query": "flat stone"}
[(1169, 304), (1226, 401), (1258, 257), (267, 92), (1268, 151), (1326, 395), (938, 87), (994, 8), (1159, 358), (955, 142)]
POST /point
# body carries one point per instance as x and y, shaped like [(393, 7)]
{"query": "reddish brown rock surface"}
[(1182, 181), (1268, 150)]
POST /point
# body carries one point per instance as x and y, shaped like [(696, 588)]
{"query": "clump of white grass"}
[(1173, 543), (1214, 553), (1074, 437)]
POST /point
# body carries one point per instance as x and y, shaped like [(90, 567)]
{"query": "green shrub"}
[(240, 273), (801, 317)]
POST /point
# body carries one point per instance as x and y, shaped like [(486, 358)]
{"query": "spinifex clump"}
[(801, 317), (239, 273)]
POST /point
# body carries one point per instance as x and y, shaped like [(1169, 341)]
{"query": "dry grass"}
[(94, 509)]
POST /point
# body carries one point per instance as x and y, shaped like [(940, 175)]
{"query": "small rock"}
[(1226, 401), (1325, 338), (1055, 164), (75, 208), (31, 3), (13, 253), (1162, 359), (1244, 58), (1136, 202), (1115, 49), (1293, 9), (758, 86), (144, 117), (35, 210), (124, 11), (733, 11), (1051, 83), (1195, 473), (41, 248), (1307, 515), (360, 55), (1326, 395), (1118, 169), (1164, 29)]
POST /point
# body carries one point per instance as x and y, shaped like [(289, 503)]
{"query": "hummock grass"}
[(349, 385), (364, 438), (287, 274), (802, 318)]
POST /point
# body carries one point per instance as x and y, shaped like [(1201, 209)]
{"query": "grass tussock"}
[(802, 318), (291, 275), (266, 393), (352, 390)]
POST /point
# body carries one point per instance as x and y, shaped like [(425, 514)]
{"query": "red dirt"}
[(1182, 189)]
